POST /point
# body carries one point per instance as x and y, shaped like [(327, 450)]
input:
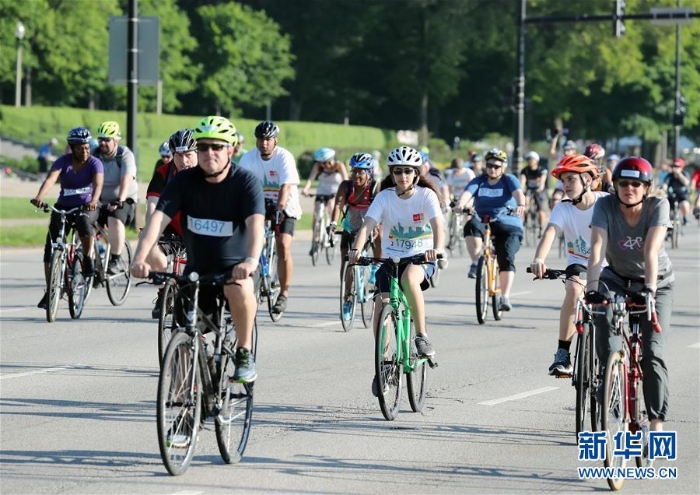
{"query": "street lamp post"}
[(19, 34)]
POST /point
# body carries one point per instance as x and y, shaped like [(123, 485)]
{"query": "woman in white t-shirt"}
[(572, 217), (409, 209)]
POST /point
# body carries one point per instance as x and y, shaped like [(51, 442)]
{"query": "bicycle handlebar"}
[(395, 260), (550, 273), (159, 278), (47, 208)]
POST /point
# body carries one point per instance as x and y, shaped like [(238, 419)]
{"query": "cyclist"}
[(222, 215), (676, 186), (492, 194), (477, 163), (596, 153), (606, 178), (330, 173), (353, 199), (81, 177), (434, 175), (533, 179), (409, 208), (572, 217), (166, 156), (183, 147), (120, 189), (238, 150), (458, 178), (276, 169), (628, 230)]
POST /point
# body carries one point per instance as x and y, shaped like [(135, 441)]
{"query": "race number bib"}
[(214, 228), (75, 192)]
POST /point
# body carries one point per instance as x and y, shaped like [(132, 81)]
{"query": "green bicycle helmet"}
[(109, 130), (215, 127)]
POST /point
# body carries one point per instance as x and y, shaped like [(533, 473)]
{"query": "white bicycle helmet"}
[(404, 155)]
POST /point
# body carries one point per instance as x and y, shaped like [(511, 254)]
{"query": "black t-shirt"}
[(532, 176), (213, 215)]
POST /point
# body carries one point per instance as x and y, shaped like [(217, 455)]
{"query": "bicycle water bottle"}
[(101, 250), (265, 266)]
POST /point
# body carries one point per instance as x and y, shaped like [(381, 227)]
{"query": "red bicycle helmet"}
[(594, 151), (679, 162), (634, 167), (579, 164)]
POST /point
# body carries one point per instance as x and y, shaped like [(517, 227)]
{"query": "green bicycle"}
[(395, 351)]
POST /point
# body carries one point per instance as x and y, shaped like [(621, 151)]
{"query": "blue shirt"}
[(492, 200)]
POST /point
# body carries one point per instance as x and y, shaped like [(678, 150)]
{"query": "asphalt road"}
[(77, 398)]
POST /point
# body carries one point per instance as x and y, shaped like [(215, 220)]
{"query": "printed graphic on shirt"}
[(579, 247), (271, 184), (631, 244), (405, 238)]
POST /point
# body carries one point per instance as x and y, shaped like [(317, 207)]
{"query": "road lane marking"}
[(326, 324), (518, 396), (694, 346), (45, 370)]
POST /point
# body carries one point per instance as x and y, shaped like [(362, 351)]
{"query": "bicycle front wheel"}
[(77, 286), (495, 297), (482, 290), (273, 282), (55, 285), (348, 294), (367, 293), (641, 419), (386, 365), (417, 379), (166, 320), (119, 284), (331, 251), (615, 414), (179, 406), (581, 380), (233, 422)]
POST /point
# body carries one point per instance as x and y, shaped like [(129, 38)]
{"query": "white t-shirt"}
[(407, 229), (457, 182), (576, 225), (280, 169)]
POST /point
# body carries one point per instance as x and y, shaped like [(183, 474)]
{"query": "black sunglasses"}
[(626, 183), (104, 140), (493, 165), (404, 171), (207, 147)]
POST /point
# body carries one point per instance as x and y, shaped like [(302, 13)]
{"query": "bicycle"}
[(586, 367), (676, 229), (455, 232), (531, 221), (623, 400), (177, 259), (269, 283), (195, 385), (118, 284), (355, 287), (66, 268), (321, 221), (395, 351)]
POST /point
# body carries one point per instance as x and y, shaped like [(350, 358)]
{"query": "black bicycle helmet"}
[(79, 135), (266, 130), (182, 141)]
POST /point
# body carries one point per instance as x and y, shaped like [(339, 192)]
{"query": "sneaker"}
[(375, 387), (177, 435), (245, 366), (88, 267), (685, 221), (561, 367), (505, 304), (472, 271), (155, 312), (44, 301), (280, 304), (373, 274), (423, 347), (116, 265), (347, 310)]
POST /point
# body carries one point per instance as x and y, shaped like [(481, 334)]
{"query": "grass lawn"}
[(19, 208)]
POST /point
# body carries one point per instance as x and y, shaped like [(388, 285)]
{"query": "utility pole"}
[(678, 115), (132, 77)]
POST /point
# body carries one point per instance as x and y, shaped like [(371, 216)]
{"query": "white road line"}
[(517, 396), (694, 346), (45, 370), (325, 324), (13, 310)]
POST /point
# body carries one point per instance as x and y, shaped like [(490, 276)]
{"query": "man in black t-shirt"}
[(533, 178), (222, 215)]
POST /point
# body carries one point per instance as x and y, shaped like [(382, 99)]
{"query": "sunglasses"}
[(207, 146), (403, 171), (104, 140), (493, 165), (359, 171), (626, 183)]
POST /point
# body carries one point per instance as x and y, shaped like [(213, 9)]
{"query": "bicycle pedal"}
[(432, 364)]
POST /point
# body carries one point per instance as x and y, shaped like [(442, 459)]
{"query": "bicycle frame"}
[(489, 252)]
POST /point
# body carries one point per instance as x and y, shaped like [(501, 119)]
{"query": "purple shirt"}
[(76, 188)]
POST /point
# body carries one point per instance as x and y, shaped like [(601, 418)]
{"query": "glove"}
[(330, 230), (595, 297), (117, 204), (640, 298)]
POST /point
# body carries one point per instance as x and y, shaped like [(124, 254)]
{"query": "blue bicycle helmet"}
[(164, 149), (79, 135), (324, 155), (362, 160)]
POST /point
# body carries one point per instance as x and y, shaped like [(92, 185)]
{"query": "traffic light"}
[(619, 19)]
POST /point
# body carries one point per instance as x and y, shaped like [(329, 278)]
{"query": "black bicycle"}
[(174, 247), (196, 378)]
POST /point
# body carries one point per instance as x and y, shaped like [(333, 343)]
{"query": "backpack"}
[(118, 157)]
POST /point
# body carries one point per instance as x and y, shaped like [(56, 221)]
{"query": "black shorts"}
[(81, 221), (347, 239), (576, 270), (383, 281), (125, 213), (288, 223)]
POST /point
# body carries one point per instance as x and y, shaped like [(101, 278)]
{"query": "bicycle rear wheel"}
[(417, 379), (55, 283), (367, 303), (495, 298), (179, 405), (386, 366), (78, 286), (348, 293), (119, 284), (166, 320), (232, 424), (482, 290), (581, 380), (614, 418)]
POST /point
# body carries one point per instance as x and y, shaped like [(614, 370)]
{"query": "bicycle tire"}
[(367, 303), (179, 404), (482, 290), (77, 286), (676, 234), (495, 298), (581, 380), (386, 366), (417, 379), (315, 250), (331, 251), (232, 424), (273, 284), (614, 417), (166, 319), (641, 419), (119, 284), (55, 281), (344, 289)]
